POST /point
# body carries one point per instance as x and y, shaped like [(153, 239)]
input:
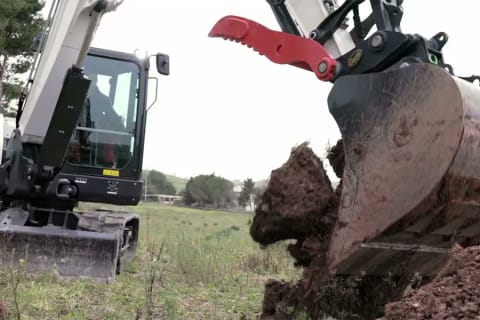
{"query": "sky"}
[(224, 109)]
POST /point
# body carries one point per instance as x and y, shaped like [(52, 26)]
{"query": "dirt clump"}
[(297, 198), (453, 294), (300, 203)]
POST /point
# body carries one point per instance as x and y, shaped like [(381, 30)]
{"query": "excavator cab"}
[(107, 142)]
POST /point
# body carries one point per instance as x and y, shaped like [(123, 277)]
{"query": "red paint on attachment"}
[(279, 47)]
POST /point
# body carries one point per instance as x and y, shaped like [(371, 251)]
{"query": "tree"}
[(248, 189), (20, 22), (157, 183), (209, 190), (258, 193)]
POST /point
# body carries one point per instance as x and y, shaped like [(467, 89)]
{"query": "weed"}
[(3, 311), (225, 233), (272, 259), (13, 277), (171, 308), (197, 260), (154, 275)]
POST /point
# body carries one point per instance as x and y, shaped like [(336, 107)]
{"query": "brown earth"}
[(300, 203), (453, 294)]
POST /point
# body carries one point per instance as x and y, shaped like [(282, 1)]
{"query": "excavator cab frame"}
[(92, 176)]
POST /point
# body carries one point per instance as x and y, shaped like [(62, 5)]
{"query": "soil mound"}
[(300, 203), (453, 294)]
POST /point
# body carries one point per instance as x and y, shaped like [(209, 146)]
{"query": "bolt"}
[(323, 67), (376, 41), (313, 35)]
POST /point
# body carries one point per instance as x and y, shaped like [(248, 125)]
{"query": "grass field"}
[(191, 264)]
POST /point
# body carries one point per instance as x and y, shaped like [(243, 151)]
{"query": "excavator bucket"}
[(411, 183), (98, 245), (411, 136)]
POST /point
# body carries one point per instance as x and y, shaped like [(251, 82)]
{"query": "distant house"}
[(164, 198)]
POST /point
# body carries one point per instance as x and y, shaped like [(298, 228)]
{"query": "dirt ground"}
[(453, 294), (300, 203)]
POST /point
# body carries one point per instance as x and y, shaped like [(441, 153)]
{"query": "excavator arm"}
[(409, 129)]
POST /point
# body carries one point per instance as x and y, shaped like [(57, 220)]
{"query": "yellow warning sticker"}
[(111, 173)]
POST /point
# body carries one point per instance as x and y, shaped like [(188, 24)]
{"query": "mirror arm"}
[(156, 92)]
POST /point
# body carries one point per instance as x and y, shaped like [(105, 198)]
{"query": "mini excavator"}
[(410, 130), (78, 136)]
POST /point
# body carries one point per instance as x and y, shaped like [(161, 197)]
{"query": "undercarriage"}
[(94, 245)]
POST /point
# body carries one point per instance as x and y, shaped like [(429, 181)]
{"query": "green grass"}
[(191, 264)]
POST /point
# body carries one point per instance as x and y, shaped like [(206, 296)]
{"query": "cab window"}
[(105, 132)]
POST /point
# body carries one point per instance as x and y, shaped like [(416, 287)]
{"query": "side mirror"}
[(163, 64)]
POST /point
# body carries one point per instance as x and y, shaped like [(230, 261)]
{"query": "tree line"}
[(211, 191), (205, 190)]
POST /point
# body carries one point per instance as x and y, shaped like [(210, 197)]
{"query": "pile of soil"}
[(453, 294), (300, 203)]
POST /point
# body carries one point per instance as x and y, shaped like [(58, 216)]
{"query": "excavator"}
[(410, 130), (78, 136)]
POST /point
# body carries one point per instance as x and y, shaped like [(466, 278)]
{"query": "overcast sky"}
[(226, 110)]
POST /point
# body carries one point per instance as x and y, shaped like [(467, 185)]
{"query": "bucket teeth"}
[(279, 47)]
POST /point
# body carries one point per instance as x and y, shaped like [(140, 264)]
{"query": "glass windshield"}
[(105, 133)]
